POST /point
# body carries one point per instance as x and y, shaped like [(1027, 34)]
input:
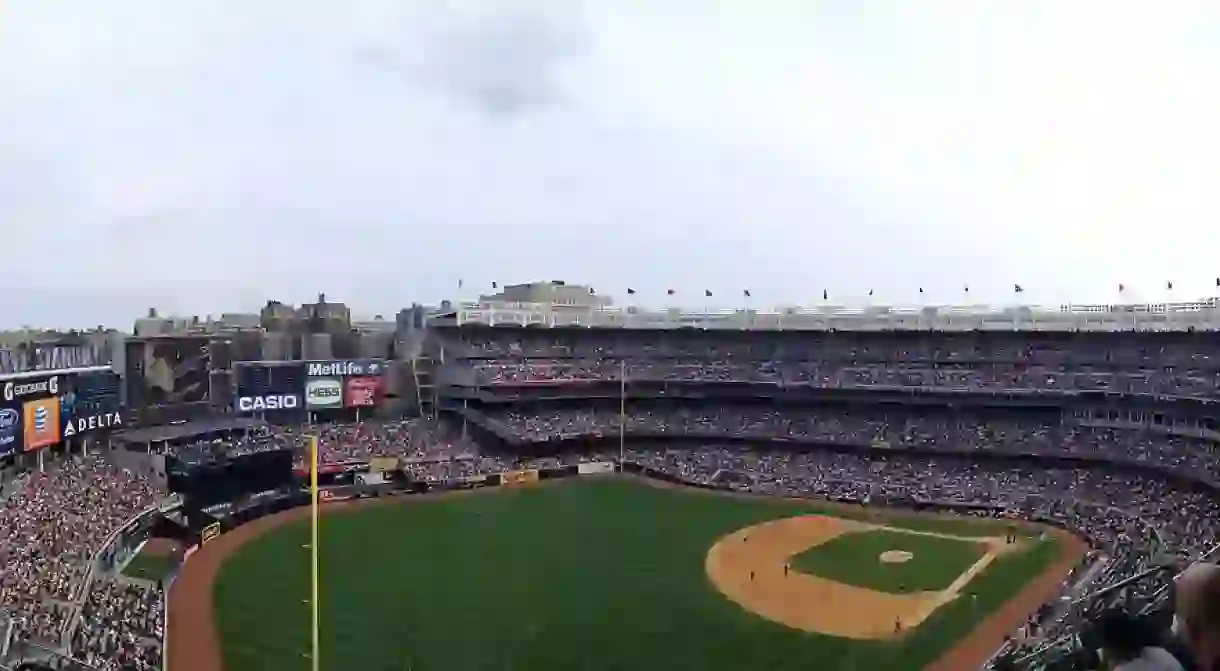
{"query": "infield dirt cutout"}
[(747, 566)]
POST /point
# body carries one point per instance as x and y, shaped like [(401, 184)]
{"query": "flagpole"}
[(622, 411), (313, 549)]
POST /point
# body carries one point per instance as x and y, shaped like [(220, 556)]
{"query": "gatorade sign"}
[(324, 393), (18, 389), (269, 402)]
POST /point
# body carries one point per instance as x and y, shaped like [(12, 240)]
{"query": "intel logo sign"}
[(8, 418)]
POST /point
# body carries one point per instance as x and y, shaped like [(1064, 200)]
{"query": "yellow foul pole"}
[(315, 605)]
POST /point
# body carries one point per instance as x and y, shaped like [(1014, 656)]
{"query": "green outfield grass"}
[(149, 567), (598, 574), (853, 559)]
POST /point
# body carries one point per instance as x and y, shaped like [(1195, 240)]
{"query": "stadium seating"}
[(1116, 431)]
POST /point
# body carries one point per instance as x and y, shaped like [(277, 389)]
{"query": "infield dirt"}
[(747, 566)]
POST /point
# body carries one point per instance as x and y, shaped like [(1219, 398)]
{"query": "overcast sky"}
[(206, 156)]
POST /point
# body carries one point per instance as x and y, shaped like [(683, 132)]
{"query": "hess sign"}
[(324, 394), (269, 402)]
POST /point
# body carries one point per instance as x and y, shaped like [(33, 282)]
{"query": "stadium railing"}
[(78, 600)]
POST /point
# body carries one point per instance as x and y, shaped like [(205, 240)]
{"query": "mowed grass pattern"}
[(855, 559), (596, 575)]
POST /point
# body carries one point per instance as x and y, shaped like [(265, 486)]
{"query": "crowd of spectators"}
[(120, 625), (1168, 365), (409, 440), (824, 374), (1131, 350), (861, 426), (52, 523)]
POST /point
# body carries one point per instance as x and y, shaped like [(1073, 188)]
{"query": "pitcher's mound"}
[(895, 557)]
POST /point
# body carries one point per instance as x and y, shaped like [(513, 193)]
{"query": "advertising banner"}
[(360, 392), (11, 438), (324, 392), (519, 477), (41, 419), (30, 388), (90, 403), (209, 532), (595, 468), (262, 387), (76, 424), (346, 368), (268, 402)]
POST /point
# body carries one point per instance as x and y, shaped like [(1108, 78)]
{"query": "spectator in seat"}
[(1131, 644), (1197, 614)]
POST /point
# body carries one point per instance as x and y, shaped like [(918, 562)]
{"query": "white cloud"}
[(204, 156)]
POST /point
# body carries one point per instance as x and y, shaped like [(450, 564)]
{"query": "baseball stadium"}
[(506, 485)]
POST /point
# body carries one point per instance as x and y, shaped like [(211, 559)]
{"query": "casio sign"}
[(82, 424), (14, 390), (8, 427), (270, 402)]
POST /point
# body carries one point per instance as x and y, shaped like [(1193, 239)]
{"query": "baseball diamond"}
[(607, 573), (779, 568)]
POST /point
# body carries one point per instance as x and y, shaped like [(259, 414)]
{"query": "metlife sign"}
[(349, 368), (21, 389), (104, 421), (269, 402)]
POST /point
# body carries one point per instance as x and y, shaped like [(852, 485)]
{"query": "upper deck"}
[(1195, 316)]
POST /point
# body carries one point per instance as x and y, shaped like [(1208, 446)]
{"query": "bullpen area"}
[(611, 573)]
